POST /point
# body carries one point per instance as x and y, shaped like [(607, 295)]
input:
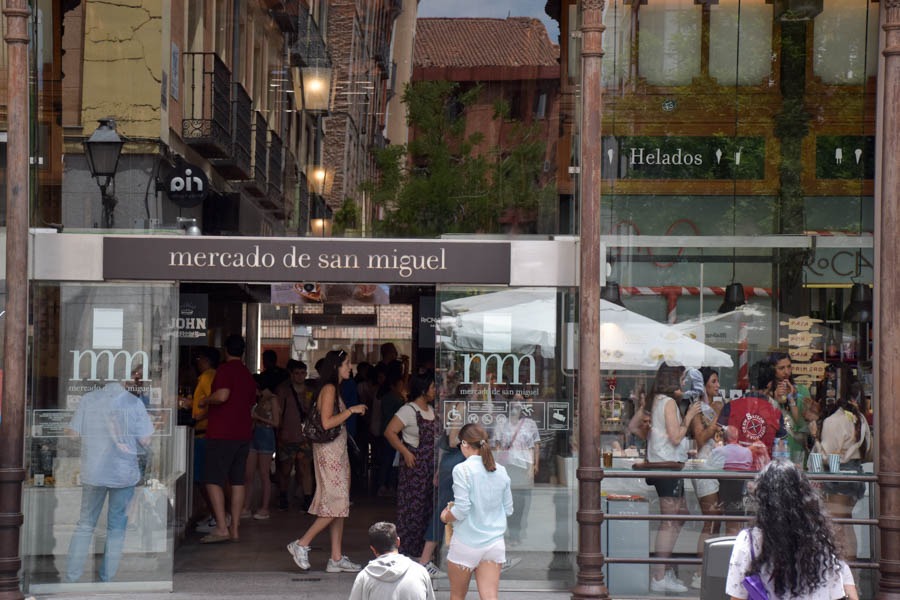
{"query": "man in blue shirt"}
[(114, 428)]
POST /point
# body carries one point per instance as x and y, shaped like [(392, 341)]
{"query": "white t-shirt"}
[(407, 414), (517, 441), (659, 448), (831, 589)]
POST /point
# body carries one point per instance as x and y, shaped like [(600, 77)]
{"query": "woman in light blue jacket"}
[(482, 502)]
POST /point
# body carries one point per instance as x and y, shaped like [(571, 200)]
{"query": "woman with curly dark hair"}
[(792, 545)]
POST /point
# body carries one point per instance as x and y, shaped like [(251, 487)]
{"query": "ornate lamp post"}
[(102, 151), (590, 583)]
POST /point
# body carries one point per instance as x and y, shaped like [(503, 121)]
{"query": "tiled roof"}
[(469, 42)]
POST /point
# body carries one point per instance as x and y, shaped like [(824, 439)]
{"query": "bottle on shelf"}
[(818, 351), (833, 335)]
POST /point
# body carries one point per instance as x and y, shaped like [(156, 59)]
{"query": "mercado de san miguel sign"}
[(304, 259)]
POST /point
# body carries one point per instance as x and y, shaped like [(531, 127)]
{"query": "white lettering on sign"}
[(650, 157), (130, 360), (253, 259), (186, 183), (407, 264), (190, 323), (499, 362)]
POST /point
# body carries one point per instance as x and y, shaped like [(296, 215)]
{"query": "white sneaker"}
[(697, 581), (300, 554), (206, 526), (667, 584), (510, 563), (345, 565), (434, 571)]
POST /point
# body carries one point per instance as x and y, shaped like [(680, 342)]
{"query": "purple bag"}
[(753, 583)]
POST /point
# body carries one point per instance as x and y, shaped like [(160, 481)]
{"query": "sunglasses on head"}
[(342, 355)]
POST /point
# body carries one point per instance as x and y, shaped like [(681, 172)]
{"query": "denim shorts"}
[(263, 440)]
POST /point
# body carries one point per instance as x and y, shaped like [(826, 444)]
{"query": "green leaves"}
[(448, 180)]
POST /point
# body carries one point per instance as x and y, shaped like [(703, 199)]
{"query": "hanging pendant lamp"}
[(734, 297), (611, 293)]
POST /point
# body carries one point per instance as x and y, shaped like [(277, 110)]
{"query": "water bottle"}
[(781, 449)]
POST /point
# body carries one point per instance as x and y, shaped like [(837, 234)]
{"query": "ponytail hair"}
[(475, 436)]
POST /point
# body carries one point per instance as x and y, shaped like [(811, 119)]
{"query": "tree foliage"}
[(443, 181)]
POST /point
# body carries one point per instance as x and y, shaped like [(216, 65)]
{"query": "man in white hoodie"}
[(391, 575)]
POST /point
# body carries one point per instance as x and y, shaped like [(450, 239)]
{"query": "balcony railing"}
[(236, 166), (310, 45), (207, 123), (302, 207), (256, 185), (383, 58), (276, 166), (273, 201), (285, 12)]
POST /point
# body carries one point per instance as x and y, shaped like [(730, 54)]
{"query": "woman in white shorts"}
[(705, 430), (482, 500)]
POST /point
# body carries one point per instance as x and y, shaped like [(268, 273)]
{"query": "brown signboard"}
[(304, 259)]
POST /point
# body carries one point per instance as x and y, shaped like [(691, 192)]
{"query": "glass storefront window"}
[(501, 363), (104, 454), (737, 216)]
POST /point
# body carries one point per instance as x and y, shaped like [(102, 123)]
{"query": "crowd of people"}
[(777, 421), (480, 482), (243, 422)]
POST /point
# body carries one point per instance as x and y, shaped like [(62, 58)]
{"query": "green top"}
[(797, 428)]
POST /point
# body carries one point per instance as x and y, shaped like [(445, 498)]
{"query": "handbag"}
[(753, 583), (313, 429), (448, 527)]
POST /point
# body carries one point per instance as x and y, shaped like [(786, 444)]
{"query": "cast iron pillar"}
[(887, 317), (589, 583), (12, 427)]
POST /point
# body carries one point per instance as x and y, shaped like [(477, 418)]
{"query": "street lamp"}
[(102, 151), (319, 179), (312, 85), (320, 223)]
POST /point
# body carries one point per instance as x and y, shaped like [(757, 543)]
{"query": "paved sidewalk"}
[(272, 585)]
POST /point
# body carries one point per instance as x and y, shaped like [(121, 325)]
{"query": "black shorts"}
[(731, 496), (667, 488), (226, 461)]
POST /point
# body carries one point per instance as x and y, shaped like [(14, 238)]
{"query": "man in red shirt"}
[(228, 436), (754, 416)]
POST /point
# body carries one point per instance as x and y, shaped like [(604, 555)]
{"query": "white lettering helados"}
[(640, 156)]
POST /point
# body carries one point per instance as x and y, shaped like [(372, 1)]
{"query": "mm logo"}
[(499, 363), (96, 358)]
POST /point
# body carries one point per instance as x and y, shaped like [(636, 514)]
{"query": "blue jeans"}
[(435, 530), (92, 500)]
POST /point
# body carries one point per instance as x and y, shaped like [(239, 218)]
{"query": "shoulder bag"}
[(313, 429), (753, 583)]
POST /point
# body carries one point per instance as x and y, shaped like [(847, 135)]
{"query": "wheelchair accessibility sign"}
[(454, 413)]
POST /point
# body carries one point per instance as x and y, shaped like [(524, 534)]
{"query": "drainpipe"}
[(589, 582), (12, 427), (887, 336)]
